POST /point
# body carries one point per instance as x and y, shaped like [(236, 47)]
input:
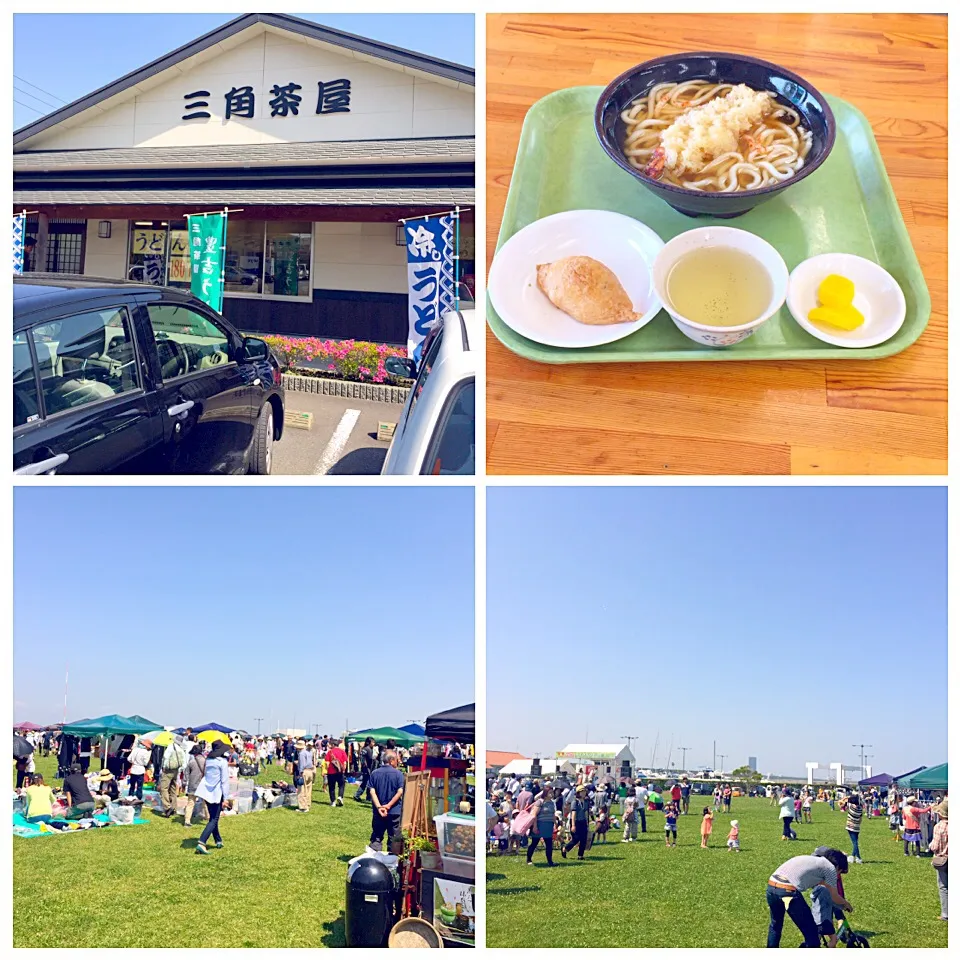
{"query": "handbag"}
[(939, 860)]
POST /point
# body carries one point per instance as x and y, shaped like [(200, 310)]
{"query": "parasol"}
[(161, 737), (212, 736), (21, 747)]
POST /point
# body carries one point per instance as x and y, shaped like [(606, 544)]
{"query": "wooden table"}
[(829, 417)]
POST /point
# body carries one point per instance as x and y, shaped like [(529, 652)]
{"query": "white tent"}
[(601, 755), (548, 768)]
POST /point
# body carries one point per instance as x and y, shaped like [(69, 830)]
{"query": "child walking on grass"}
[(706, 827), (808, 808), (671, 825), (733, 837)]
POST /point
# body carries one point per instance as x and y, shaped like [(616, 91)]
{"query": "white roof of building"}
[(548, 768)]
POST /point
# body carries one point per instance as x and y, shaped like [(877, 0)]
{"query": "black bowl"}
[(788, 88)]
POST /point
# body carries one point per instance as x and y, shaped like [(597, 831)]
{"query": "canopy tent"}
[(27, 725), (930, 778), (457, 724), (606, 754), (382, 734), (877, 780), (417, 729), (906, 776), (548, 768), (214, 726), (108, 726), (905, 781)]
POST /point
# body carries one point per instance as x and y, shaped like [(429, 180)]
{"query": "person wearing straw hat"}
[(306, 772), (911, 825), (213, 791), (107, 789), (579, 812), (938, 847)]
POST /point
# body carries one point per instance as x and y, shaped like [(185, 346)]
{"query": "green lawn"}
[(643, 894), (277, 882)]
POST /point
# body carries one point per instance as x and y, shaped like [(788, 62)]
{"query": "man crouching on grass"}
[(386, 794)]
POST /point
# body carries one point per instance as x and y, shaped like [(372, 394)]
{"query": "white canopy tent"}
[(606, 757), (548, 768)]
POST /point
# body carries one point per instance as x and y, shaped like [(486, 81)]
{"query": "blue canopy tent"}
[(877, 780), (214, 726), (416, 729), (904, 778)]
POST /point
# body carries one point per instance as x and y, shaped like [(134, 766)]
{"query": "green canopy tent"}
[(905, 780), (401, 738), (932, 778), (105, 727)]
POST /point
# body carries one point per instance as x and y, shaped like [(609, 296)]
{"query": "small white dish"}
[(877, 296), (624, 245), (757, 247)]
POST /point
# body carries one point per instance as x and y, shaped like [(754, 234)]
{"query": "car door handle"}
[(179, 408), (256, 382), (44, 466)]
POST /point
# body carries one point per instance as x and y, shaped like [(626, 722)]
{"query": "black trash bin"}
[(370, 903)]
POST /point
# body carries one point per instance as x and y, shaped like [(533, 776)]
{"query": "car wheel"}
[(262, 453)]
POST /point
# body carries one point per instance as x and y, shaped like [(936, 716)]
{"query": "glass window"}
[(26, 408), (186, 340), (148, 251), (288, 259), (243, 269), (85, 358), (431, 349), (178, 262), (453, 449)]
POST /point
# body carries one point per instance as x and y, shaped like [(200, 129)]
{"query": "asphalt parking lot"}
[(342, 440)]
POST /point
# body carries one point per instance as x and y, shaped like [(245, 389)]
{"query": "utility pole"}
[(714, 754), (683, 759), (258, 719), (316, 730), (862, 747), (630, 742), (722, 757)]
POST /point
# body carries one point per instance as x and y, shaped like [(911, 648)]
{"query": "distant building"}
[(752, 763)]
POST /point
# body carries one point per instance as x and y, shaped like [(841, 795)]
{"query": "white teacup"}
[(759, 249)]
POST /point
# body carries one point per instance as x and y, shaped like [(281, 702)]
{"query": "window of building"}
[(271, 258), (148, 251), (66, 239), (243, 270)]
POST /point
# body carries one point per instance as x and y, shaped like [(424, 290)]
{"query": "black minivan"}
[(111, 376)]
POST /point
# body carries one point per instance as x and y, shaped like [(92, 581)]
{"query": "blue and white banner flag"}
[(19, 229), (430, 269)]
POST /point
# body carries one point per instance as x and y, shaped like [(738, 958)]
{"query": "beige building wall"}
[(107, 258)]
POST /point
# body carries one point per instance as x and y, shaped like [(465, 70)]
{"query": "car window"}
[(453, 448), (186, 341), (26, 407), (85, 358), (426, 366)]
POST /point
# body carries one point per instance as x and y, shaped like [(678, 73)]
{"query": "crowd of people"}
[(568, 813)]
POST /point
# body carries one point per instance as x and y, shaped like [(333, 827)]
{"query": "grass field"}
[(643, 894), (277, 882)]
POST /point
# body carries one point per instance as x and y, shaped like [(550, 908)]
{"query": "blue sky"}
[(70, 55), (188, 605), (786, 623)]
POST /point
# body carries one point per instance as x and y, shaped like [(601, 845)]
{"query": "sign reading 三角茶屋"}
[(206, 258), (284, 100), (430, 293)]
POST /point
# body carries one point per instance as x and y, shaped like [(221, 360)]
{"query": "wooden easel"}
[(415, 820)]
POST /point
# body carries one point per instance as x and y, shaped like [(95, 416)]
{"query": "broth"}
[(719, 286)]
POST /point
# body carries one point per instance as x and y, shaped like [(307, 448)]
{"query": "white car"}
[(436, 433)]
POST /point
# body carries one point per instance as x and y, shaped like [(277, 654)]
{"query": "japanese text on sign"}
[(333, 96)]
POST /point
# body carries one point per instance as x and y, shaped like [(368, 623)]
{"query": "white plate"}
[(877, 296), (624, 245)]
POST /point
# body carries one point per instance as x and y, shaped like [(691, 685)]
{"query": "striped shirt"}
[(806, 872), (854, 816)]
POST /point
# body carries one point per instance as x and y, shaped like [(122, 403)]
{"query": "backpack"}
[(173, 758)]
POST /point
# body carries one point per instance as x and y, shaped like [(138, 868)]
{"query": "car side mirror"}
[(254, 349), (401, 367)]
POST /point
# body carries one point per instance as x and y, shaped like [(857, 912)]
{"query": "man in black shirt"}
[(386, 794), (366, 768), (79, 798)]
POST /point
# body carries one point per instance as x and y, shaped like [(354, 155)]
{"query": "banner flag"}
[(430, 280), (19, 228), (207, 241)]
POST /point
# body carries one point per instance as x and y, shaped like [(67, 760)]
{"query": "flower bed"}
[(356, 360)]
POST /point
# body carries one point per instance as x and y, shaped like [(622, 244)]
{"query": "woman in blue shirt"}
[(213, 791)]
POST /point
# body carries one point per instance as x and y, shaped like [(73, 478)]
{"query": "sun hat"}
[(734, 823), (105, 775)]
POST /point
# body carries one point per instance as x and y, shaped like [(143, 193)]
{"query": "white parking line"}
[(331, 453)]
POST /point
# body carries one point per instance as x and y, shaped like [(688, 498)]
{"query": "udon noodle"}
[(763, 141)]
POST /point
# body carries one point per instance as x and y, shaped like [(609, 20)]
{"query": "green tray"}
[(847, 206)]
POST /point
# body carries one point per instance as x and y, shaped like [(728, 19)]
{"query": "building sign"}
[(593, 755), (430, 258), (333, 96), (149, 240), (179, 257), (207, 235)]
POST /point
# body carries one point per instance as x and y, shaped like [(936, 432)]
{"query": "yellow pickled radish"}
[(846, 317), (835, 291)]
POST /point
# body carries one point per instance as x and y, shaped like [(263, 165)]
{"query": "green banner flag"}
[(207, 241)]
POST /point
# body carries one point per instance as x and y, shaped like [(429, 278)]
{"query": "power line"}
[(27, 93), (27, 105), (35, 87)]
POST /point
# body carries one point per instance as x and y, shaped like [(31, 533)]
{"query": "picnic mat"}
[(23, 828)]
